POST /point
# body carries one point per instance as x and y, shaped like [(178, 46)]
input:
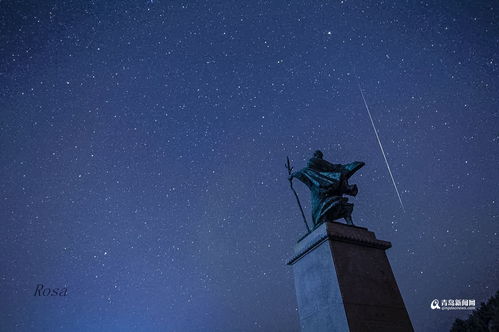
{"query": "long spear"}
[(290, 169)]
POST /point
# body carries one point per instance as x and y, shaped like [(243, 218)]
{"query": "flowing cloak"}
[(327, 183)]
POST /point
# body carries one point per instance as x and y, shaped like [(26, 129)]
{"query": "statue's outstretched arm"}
[(301, 176)]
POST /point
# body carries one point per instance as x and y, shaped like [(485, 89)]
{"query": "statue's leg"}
[(348, 213)]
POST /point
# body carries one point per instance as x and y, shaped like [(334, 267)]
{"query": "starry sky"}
[(143, 146)]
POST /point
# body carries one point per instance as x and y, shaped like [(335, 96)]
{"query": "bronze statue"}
[(328, 183)]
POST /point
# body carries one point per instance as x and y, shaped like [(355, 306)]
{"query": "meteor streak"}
[(381, 147)]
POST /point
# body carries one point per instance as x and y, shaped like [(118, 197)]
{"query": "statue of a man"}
[(328, 183)]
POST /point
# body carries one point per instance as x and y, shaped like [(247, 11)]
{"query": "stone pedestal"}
[(344, 282)]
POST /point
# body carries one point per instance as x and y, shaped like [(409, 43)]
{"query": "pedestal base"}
[(344, 282)]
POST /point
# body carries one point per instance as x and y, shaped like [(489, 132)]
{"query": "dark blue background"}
[(143, 146)]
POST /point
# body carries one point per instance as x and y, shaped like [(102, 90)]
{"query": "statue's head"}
[(318, 154)]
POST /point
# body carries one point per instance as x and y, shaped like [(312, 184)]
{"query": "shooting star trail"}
[(381, 147)]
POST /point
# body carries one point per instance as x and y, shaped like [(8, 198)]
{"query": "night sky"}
[(143, 146)]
